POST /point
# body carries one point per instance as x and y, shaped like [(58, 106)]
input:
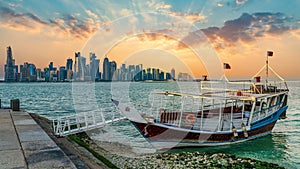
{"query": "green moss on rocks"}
[(82, 139)]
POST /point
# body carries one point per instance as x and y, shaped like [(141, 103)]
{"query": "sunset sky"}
[(191, 36)]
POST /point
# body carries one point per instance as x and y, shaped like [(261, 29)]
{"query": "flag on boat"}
[(227, 66), (270, 53)]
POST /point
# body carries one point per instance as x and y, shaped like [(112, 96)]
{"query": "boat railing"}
[(207, 120), (215, 113), (247, 86), (257, 115)]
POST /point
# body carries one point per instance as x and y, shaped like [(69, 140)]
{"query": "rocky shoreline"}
[(88, 153), (192, 160), (123, 157)]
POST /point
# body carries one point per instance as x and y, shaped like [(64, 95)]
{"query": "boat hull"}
[(166, 136)]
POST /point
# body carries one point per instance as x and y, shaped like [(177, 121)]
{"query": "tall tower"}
[(79, 67), (94, 66), (10, 74), (173, 73), (77, 54), (69, 64), (106, 69), (113, 68)]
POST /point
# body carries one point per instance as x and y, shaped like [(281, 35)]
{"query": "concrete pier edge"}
[(24, 144)]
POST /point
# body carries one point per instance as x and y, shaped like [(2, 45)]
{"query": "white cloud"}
[(192, 18), (220, 5), (91, 14), (241, 2), (125, 12)]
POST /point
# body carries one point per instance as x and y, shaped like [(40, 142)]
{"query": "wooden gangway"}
[(80, 122)]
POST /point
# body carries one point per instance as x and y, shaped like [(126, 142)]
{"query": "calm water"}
[(57, 99)]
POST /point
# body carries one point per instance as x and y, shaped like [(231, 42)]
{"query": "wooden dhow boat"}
[(236, 112)]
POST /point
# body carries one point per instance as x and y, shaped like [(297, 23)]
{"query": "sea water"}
[(60, 99)]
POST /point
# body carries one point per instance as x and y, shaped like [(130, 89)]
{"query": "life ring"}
[(188, 120)]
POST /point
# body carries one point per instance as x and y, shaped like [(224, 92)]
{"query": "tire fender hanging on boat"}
[(190, 119), (235, 134), (244, 130)]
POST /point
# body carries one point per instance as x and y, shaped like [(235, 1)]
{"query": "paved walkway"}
[(24, 144)]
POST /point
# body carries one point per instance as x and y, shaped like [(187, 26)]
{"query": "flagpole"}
[(267, 68), (269, 53)]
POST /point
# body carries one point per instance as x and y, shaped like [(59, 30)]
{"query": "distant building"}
[(28, 73), (168, 76), (39, 75), (144, 74), (138, 72), (69, 64), (162, 76), (106, 70), (10, 69), (53, 76), (124, 73), (131, 72), (76, 65), (173, 73), (149, 75), (184, 77), (51, 66), (69, 69), (113, 68), (94, 67), (47, 74), (155, 73), (79, 67), (69, 75), (118, 74), (62, 76)]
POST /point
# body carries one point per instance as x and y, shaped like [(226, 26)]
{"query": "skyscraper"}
[(69, 69), (10, 68), (79, 67), (138, 72), (76, 65), (149, 75), (131, 72), (173, 73), (124, 73), (62, 74), (28, 73), (94, 67), (69, 64), (51, 66), (106, 69), (113, 68)]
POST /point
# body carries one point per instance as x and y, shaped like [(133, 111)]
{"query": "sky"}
[(192, 36)]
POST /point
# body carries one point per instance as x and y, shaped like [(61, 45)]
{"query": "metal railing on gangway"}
[(80, 122)]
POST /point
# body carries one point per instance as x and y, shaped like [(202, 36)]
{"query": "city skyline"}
[(81, 70), (237, 31)]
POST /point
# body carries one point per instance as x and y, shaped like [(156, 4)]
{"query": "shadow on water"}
[(271, 148)]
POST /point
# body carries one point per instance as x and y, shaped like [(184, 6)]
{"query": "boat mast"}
[(269, 53), (267, 68)]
